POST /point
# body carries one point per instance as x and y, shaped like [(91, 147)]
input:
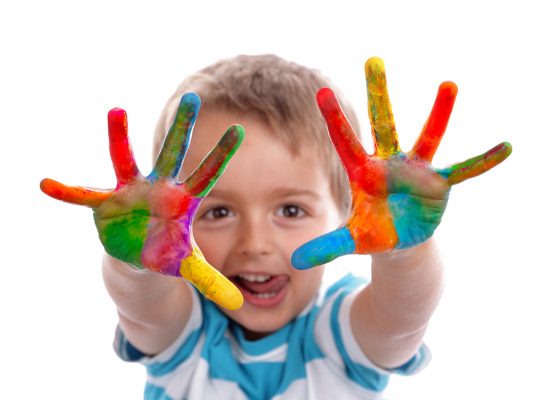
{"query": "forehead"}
[(262, 159), (260, 137)]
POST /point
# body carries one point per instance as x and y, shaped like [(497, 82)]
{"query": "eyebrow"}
[(279, 192), (284, 192)]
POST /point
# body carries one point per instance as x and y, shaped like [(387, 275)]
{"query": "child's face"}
[(265, 205)]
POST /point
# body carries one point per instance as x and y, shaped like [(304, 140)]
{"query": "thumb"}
[(210, 282)]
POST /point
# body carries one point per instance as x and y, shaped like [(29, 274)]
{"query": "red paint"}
[(432, 133), (124, 164)]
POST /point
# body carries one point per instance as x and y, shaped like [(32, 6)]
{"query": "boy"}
[(293, 338)]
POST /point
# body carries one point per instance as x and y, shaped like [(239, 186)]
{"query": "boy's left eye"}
[(291, 211)]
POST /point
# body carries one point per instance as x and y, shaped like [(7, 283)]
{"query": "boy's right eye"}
[(217, 213)]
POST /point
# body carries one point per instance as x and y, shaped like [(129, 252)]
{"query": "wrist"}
[(115, 266), (408, 255)]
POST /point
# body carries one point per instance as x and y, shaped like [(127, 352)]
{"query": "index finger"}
[(201, 181), (347, 144)]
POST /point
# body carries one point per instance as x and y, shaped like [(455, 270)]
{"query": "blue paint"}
[(323, 249), (413, 219), (444, 172), (177, 140)]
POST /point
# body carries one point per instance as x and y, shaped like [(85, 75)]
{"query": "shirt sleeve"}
[(179, 349), (354, 352), (335, 338)]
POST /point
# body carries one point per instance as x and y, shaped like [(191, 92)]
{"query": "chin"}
[(257, 326), (258, 332)]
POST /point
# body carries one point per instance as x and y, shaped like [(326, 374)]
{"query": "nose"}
[(255, 237)]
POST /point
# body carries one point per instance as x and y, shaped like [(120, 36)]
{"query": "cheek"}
[(316, 227), (308, 283), (213, 246)]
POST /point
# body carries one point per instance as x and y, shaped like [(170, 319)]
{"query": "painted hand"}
[(146, 221), (398, 199)]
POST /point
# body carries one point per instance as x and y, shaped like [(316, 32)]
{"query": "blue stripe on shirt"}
[(363, 376), (155, 392), (275, 377), (266, 379), (185, 350), (421, 357)]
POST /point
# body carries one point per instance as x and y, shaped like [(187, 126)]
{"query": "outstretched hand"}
[(398, 199), (146, 220)]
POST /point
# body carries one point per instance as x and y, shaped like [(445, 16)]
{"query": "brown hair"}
[(280, 92)]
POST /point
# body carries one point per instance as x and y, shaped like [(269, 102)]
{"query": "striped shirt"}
[(315, 356)]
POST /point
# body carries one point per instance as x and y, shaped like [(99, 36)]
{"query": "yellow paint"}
[(210, 282), (380, 112)]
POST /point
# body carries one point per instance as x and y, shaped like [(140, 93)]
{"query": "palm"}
[(403, 212), (398, 198), (147, 224), (146, 220)]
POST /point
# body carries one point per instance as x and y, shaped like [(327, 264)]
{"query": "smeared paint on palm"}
[(398, 199), (146, 220)]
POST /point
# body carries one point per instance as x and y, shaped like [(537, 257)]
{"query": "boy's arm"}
[(145, 223), (398, 202), (390, 315), (153, 309)]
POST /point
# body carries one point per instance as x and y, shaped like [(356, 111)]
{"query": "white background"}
[(65, 64)]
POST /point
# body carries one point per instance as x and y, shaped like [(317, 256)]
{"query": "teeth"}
[(266, 295), (255, 278)]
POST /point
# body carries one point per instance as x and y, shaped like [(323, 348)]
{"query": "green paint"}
[(177, 139), (226, 148), (414, 218), (123, 236)]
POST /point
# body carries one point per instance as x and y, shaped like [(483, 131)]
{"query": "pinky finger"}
[(74, 194), (477, 165)]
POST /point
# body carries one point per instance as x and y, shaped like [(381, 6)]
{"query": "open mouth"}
[(261, 290)]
